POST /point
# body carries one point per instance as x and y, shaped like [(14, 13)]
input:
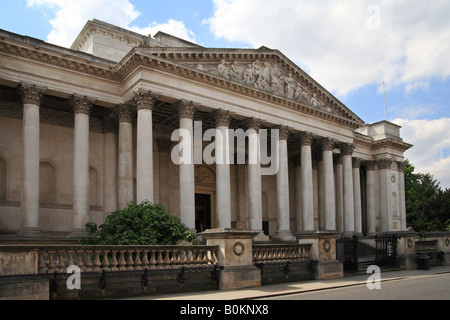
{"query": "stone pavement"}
[(297, 287)]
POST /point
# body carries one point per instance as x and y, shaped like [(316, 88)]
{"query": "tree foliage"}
[(138, 224), (427, 205)]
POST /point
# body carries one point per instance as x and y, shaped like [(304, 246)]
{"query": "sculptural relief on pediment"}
[(266, 76)]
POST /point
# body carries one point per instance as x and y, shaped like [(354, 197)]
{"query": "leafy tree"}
[(427, 205), (138, 224)]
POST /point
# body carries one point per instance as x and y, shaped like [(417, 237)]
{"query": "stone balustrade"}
[(281, 253), (124, 258)]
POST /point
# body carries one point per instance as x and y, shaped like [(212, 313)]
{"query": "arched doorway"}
[(205, 195)]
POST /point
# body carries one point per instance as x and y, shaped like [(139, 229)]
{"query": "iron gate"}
[(386, 250), (347, 252)]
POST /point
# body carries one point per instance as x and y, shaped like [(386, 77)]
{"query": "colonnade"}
[(331, 213)]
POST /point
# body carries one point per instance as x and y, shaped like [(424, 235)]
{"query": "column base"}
[(30, 233), (284, 235), (261, 237), (78, 233)]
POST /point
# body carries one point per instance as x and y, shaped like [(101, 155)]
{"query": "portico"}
[(333, 172)]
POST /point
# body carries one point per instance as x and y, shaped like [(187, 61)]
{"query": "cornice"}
[(87, 64)]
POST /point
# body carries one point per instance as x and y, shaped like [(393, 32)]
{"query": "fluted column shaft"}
[(328, 185), (307, 182), (145, 101), (370, 187), (223, 186), (125, 165), (357, 195), (282, 178), (31, 98), (187, 178), (254, 176), (82, 108), (347, 172)]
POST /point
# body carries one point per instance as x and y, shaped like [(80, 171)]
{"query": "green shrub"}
[(138, 224)]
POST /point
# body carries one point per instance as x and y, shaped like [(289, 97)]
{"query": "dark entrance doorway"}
[(202, 212)]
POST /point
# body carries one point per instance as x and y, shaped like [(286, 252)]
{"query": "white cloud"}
[(349, 44), (70, 17), (430, 139)]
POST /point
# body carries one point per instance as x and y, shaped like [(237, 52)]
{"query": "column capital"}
[(327, 144), (347, 149), (356, 163), (81, 104), (222, 117), (253, 123), (284, 132), (306, 138), (144, 99), (384, 163), (31, 93), (401, 166), (126, 113), (370, 165), (186, 109)]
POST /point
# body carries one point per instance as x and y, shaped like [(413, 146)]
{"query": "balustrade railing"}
[(124, 258), (281, 253)]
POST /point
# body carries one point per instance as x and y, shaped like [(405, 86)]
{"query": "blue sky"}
[(350, 46)]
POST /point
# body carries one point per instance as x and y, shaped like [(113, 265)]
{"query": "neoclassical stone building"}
[(86, 130)]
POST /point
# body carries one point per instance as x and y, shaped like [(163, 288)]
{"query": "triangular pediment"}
[(263, 70)]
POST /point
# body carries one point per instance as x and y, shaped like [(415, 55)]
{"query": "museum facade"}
[(86, 130)]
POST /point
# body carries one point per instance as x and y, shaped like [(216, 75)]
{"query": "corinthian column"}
[(187, 178), (347, 172), (82, 108), (284, 232), (223, 205), (329, 205), (370, 187), (306, 140), (145, 101), (125, 172), (254, 179), (356, 162), (31, 98)]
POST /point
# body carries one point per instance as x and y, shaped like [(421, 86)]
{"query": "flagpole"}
[(385, 110)]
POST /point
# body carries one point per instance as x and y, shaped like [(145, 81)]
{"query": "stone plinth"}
[(323, 251), (235, 255), (406, 250)]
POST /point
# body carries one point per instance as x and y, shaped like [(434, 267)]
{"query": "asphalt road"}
[(429, 287)]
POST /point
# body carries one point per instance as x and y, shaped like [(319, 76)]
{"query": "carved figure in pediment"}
[(276, 81), (315, 102), (224, 69), (290, 86), (233, 71), (249, 74)]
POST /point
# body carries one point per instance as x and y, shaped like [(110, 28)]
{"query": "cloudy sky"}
[(351, 47)]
